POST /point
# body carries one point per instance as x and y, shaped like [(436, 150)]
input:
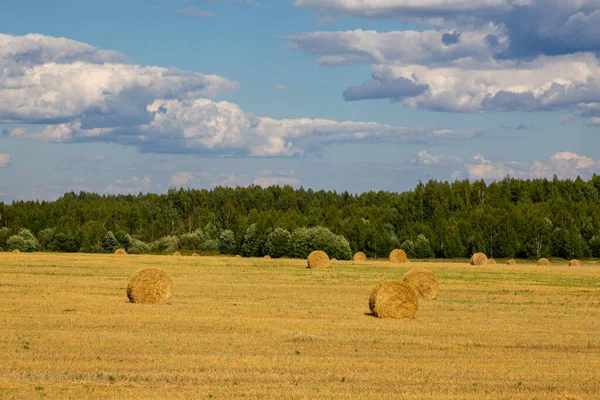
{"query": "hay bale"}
[(398, 256), (511, 262), (149, 286), (318, 260), (574, 263), (491, 261), (543, 262), (238, 256), (120, 251), (425, 283), (360, 257), (394, 299), (195, 255), (334, 260), (177, 254), (267, 257), (16, 251), (479, 259)]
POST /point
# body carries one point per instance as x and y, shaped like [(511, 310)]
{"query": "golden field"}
[(272, 329)]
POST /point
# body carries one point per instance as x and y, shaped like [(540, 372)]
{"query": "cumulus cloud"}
[(132, 185), (5, 160), (424, 158), (181, 178), (493, 55)]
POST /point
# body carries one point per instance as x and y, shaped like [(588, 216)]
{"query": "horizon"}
[(329, 95)]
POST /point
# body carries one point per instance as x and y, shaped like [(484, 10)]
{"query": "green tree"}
[(278, 243)]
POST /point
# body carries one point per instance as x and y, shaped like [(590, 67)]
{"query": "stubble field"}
[(254, 328)]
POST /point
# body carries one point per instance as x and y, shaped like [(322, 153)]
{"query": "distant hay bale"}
[(195, 255), (491, 261), (394, 299), (360, 257), (318, 260), (544, 262), (177, 254), (425, 283), (334, 260), (16, 251), (398, 256), (150, 286), (479, 259), (574, 263), (511, 262), (238, 256), (120, 251), (267, 257)]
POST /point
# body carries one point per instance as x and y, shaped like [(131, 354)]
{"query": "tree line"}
[(504, 219)]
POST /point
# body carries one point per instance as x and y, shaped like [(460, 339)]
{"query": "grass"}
[(274, 329)]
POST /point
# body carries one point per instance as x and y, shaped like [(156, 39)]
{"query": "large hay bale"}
[(195, 255), (267, 257), (543, 262), (491, 261), (512, 261), (394, 299), (120, 251), (318, 260), (149, 286), (425, 283), (360, 257), (16, 251), (574, 263), (479, 259), (398, 256), (177, 254)]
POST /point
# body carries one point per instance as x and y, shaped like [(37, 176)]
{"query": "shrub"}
[(306, 240), (227, 241), (253, 242), (142, 247), (278, 243), (123, 238), (64, 243), (422, 248), (45, 237), (167, 244), (211, 245), (134, 250), (24, 241), (110, 243)]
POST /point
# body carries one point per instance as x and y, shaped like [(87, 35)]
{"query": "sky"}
[(358, 95)]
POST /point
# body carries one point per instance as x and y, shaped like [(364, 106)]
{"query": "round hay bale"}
[(511, 262), (360, 257), (195, 255), (425, 283), (479, 259), (267, 257), (574, 263), (394, 299), (149, 286), (318, 260), (491, 261), (543, 262), (334, 260), (398, 256), (120, 251), (16, 251), (177, 254), (238, 256)]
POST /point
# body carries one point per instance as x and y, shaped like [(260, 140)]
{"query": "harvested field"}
[(260, 328)]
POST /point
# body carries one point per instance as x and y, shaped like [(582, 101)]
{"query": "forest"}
[(510, 218)]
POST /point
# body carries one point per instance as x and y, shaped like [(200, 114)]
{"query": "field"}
[(254, 328)]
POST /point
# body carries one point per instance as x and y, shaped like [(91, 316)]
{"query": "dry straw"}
[(574, 263), (195, 255), (543, 262), (120, 251), (425, 283), (334, 260), (16, 251), (318, 260), (491, 261), (479, 259), (150, 286), (238, 256), (512, 261), (177, 254), (267, 257), (360, 257), (394, 299), (398, 256)]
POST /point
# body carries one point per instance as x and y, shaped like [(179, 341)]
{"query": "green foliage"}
[(64, 243), (253, 242), (134, 250), (45, 237), (139, 245), (227, 242), (278, 243), (595, 246), (306, 240), (24, 241), (124, 239), (165, 245), (422, 248), (110, 243)]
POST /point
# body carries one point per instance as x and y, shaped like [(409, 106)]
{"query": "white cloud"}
[(425, 158), (5, 160), (266, 181), (284, 88), (181, 178), (132, 185)]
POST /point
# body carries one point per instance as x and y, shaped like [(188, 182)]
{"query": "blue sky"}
[(123, 97)]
